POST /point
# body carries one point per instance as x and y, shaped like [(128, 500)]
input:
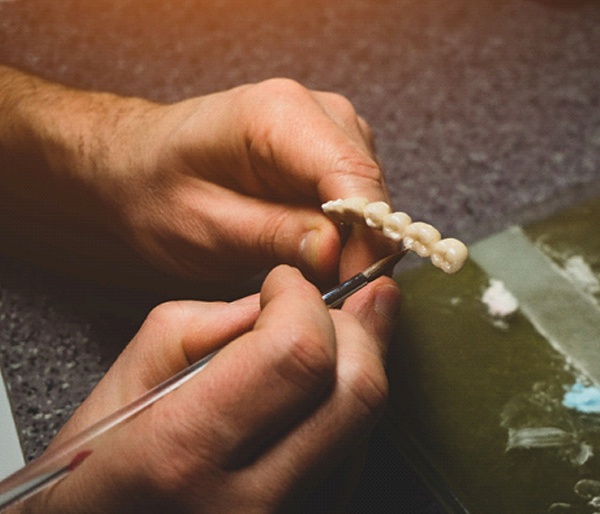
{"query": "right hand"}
[(272, 415)]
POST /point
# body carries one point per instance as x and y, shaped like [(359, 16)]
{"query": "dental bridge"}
[(422, 238)]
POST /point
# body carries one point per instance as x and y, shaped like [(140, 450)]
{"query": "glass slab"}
[(501, 415), (11, 456)]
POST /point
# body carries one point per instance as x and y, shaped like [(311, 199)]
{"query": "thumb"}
[(264, 234)]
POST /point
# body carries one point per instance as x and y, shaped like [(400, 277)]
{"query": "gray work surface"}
[(481, 109)]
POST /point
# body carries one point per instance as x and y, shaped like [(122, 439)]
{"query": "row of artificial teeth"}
[(422, 238)]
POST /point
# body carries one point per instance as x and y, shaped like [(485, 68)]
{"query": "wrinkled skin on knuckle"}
[(357, 165), (351, 168), (303, 346), (306, 360), (273, 234)]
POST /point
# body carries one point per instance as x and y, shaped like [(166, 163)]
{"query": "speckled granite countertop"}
[(480, 109)]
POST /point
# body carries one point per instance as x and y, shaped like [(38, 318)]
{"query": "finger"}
[(313, 139), (376, 307), (258, 235), (342, 112), (189, 459), (314, 448), (177, 333), (174, 335), (364, 246), (262, 383), (367, 135)]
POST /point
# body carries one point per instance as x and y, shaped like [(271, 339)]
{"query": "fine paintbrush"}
[(64, 458)]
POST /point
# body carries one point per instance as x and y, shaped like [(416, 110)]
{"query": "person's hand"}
[(213, 188), (229, 184), (271, 416)]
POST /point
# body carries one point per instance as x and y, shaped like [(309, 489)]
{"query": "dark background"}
[(485, 113)]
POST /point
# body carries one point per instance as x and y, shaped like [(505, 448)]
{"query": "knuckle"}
[(277, 101), (368, 385), (165, 315), (273, 233), (357, 165), (274, 98), (278, 88), (342, 105), (308, 361)]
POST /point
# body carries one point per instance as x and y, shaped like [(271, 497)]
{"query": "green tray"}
[(480, 403)]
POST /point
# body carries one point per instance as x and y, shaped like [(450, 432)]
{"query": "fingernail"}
[(387, 301), (250, 303), (309, 248)]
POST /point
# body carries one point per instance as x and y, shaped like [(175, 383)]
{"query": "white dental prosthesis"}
[(425, 240)]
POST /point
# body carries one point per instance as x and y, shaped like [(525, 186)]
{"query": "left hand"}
[(226, 185)]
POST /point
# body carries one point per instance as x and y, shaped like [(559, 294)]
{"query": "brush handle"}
[(64, 458), (338, 294)]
